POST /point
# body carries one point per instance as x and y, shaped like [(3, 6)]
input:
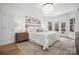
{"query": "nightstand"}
[(22, 36)]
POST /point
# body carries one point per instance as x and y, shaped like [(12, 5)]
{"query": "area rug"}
[(63, 46)]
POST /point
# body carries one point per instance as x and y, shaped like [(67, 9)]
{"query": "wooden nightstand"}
[(23, 36)]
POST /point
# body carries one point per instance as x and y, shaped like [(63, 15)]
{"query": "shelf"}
[(33, 25)]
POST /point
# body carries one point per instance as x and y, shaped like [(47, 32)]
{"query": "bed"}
[(44, 39), (40, 35)]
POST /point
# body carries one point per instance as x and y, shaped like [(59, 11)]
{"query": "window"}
[(56, 26), (50, 26), (63, 27), (72, 22)]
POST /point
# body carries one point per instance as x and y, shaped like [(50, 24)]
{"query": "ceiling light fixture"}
[(48, 9)]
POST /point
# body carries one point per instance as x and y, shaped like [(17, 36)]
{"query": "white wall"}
[(66, 18), (7, 28), (11, 16), (0, 30)]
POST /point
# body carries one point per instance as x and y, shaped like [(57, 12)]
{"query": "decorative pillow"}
[(39, 30), (31, 29)]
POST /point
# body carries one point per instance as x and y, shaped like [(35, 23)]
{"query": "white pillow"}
[(31, 29), (39, 30)]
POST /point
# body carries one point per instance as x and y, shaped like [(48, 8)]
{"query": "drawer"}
[(77, 44), (23, 34), (21, 39), (77, 35)]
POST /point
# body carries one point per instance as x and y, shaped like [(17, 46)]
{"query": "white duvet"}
[(44, 39)]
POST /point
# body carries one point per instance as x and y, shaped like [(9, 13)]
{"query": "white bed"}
[(44, 39)]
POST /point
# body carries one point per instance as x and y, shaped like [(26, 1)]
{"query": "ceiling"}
[(34, 8), (61, 8)]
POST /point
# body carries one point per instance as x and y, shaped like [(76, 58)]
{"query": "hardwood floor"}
[(10, 49), (64, 46)]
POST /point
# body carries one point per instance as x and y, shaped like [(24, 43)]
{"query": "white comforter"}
[(44, 39)]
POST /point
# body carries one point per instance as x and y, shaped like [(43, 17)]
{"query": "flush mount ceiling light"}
[(48, 8)]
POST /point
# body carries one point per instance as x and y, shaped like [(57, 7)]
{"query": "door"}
[(8, 29)]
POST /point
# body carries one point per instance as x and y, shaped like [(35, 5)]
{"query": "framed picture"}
[(28, 19), (32, 20)]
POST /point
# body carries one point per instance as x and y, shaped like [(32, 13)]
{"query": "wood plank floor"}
[(10, 49), (64, 46)]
